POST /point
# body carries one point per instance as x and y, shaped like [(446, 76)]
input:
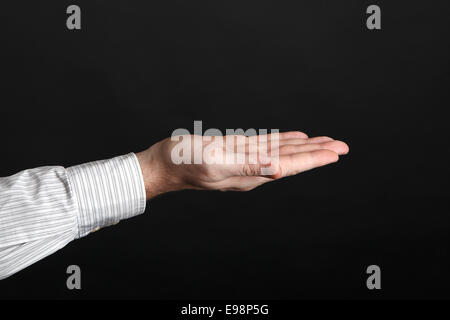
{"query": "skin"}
[(297, 153)]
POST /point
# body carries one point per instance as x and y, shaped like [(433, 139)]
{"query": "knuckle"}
[(250, 170)]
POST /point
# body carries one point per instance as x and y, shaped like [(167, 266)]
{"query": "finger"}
[(305, 141), (268, 144), (265, 138), (294, 146), (283, 135), (337, 146), (299, 162)]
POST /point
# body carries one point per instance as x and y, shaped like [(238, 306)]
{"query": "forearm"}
[(43, 209)]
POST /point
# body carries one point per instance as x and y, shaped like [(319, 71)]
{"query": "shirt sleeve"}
[(43, 209)]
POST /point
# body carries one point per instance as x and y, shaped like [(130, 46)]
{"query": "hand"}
[(296, 153)]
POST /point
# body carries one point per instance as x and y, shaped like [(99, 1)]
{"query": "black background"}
[(140, 69)]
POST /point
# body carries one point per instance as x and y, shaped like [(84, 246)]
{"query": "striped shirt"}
[(43, 209)]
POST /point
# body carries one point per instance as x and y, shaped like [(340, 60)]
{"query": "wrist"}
[(157, 177), (145, 162)]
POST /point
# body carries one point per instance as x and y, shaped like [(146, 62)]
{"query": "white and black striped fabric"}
[(43, 209)]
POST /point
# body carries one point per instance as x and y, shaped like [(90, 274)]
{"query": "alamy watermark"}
[(74, 279), (236, 146)]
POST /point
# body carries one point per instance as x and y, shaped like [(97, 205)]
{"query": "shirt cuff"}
[(107, 191)]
